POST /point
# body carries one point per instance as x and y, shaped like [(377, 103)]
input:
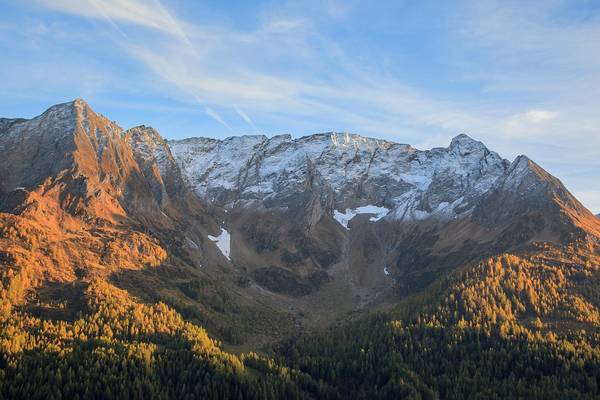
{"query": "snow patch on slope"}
[(223, 242), (345, 217)]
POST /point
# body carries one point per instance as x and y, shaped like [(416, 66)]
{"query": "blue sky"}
[(523, 77)]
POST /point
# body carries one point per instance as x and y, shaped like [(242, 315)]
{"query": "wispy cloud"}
[(217, 117), (150, 13), (279, 68), (246, 118), (536, 116), (226, 67)]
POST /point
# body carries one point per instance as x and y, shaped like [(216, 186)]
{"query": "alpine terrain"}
[(327, 266)]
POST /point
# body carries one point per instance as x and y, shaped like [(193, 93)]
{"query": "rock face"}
[(74, 178), (86, 152), (336, 219), (350, 171), (529, 198)]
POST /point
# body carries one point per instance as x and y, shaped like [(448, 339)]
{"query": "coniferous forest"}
[(493, 330)]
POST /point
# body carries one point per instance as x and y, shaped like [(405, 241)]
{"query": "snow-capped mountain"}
[(352, 170), (331, 200), (322, 217), (349, 174)]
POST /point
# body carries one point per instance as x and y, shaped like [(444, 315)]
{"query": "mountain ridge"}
[(367, 268), (360, 156), (283, 224)]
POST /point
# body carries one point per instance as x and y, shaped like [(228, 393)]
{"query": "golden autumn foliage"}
[(144, 351), (554, 286)]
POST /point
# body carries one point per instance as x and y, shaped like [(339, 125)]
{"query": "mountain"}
[(351, 169), (73, 171), (361, 220), (130, 242), (82, 198), (305, 212)]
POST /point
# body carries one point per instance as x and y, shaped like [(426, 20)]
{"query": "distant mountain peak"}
[(147, 133), (67, 107), (463, 138), (149, 146), (48, 143), (523, 166), (466, 144), (80, 101)]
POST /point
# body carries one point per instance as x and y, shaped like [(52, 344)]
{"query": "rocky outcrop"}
[(82, 186), (531, 200), (353, 170)]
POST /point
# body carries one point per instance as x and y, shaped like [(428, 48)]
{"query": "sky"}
[(523, 77)]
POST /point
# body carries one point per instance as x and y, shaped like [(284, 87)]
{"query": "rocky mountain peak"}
[(525, 176), (147, 143), (464, 144), (35, 148), (67, 115), (344, 141), (79, 163), (537, 200), (354, 170), (155, 160), (146, 134)]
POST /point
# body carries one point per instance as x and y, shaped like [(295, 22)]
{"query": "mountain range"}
[(263, 239)]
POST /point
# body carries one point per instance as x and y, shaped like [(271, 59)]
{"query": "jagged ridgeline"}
[(328, 266)]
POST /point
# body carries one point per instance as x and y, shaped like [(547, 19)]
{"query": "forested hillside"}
[(511, 326), (122, 349)]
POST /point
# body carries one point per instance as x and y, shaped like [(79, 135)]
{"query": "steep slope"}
[(530, 200), (68, 182), (349, 171), (70, 145), (355, 170), (81, 198), (304, 191)]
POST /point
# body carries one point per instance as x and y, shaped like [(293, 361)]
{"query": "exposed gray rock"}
[(349, 170)]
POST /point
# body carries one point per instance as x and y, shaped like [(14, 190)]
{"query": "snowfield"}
[(223, 242), (345, 217)]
